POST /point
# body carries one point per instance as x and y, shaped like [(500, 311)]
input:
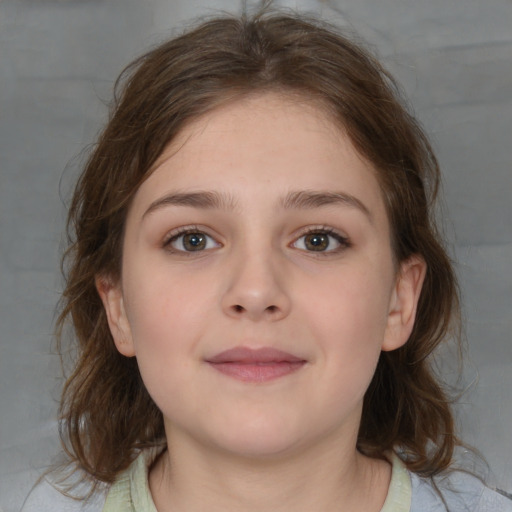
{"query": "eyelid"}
[(184, 230), (341, 239), (174, 233)]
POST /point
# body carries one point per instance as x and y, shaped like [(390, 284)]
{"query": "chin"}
[(260, 440), (260, 449)]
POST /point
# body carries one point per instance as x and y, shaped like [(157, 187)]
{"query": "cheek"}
[(353, 300), (163, 316), (163, 313), (349, 321)]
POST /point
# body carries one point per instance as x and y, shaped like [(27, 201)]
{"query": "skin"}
[(287, 443)]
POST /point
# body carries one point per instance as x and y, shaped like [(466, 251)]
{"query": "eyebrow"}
[(295, 200), (204, 200), (309, 199)]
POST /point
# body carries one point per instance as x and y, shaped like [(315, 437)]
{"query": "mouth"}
[(255, 365)]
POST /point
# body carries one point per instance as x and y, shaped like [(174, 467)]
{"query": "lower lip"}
[(258, 372)]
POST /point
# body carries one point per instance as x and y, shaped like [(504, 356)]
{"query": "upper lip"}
[(245, 355)]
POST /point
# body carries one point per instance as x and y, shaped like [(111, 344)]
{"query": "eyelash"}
[(343, 241), (180, 232)]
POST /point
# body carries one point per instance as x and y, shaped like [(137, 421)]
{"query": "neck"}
[(327, 478)]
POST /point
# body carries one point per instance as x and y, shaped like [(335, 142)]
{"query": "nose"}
[(256, 289)]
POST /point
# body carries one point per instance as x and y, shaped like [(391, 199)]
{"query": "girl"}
[(257, 285)]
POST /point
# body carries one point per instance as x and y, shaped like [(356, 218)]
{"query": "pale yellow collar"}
[(130, 492), (400, 490)]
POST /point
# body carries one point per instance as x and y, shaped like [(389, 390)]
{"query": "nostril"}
[(238, 309)]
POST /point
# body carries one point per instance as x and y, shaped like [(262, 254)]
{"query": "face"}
[(258, 286)]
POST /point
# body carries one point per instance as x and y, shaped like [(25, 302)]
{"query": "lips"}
[(255, 365)]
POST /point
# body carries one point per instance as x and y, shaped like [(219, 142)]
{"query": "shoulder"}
[(130, 491), (46, 497), (460, 491)]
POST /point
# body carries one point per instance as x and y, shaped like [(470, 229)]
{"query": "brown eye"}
[(192, 241), (316, 241), (321, 241)]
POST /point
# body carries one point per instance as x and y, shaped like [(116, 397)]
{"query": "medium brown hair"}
[(107, 415)]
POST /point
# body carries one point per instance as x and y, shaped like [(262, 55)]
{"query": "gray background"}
[(58, 60)]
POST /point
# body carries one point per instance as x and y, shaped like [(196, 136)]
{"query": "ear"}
[(404, 302), (112, 298)]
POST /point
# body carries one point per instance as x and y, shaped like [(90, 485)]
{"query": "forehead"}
[(267, 112), (269, 141)]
